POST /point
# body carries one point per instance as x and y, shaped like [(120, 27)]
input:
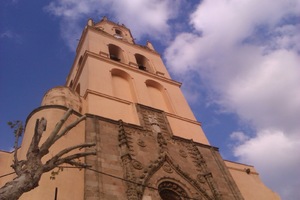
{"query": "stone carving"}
[(154, 124), (167, 165), (182, 153), (167, 168), (170, 186), (161, 140), (132, 192), (153, 120), (141, 143), (201, 179), (202, 167), (136, 164)]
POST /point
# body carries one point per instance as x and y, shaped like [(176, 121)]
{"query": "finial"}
[(150, 46), (90, 22)]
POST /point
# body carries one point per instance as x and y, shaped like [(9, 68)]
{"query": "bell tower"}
[(113, 74), (148, 144)]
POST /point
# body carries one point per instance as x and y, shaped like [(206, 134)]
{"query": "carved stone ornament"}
[(166, 187), (154, 123), (137, 165), (167, 168), (161, 140), (200, 178), (182, 153), (141, 143)]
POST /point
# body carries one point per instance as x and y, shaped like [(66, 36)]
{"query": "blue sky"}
[(238, 60)]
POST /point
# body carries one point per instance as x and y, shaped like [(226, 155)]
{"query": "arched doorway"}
[(171, 191)]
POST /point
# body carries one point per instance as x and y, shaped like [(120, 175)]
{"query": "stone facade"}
[(151, 161)]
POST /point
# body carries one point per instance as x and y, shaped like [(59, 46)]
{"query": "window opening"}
[(142, 62), (142, 67), (115, 57), (115, 53), (118, 32)]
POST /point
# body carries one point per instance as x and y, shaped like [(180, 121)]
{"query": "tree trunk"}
[(21, 184)]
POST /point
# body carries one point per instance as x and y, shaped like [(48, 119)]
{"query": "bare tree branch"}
[(69, 127), (29, 171), (78, 164), (56, 159), (18, 132), (79, 146), (69, 159), (50, 140)]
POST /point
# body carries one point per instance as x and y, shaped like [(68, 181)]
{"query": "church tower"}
[(113, 74), (149, 144)]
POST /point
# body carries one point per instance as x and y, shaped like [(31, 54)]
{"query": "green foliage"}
[(56, 172)]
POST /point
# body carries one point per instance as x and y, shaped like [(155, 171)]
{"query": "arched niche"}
[(122, 85), (115, 53), (158, 95), (143, 63)]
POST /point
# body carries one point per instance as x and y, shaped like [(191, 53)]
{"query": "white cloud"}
[(267, 94), (143, 17), (239, 136), (146, 17), (247, 55), (276, 155)]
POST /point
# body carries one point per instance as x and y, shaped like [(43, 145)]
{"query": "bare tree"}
[(29, 171)]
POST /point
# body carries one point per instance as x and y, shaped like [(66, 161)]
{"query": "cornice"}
[(88, 91), (183, 119)]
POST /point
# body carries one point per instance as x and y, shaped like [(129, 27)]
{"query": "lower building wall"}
[(6, 160), (249, 183), (137, 162)]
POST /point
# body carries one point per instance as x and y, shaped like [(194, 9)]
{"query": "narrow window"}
[(80, 60), (77, 90)]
